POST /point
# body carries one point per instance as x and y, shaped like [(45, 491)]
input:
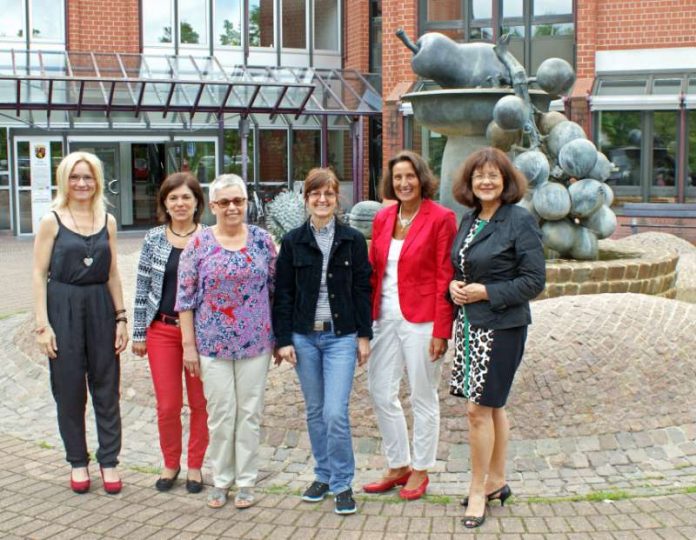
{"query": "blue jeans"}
[(325, 367)]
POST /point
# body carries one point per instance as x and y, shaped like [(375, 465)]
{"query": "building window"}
[(45, 18), (193, 22), (376, 36), (538, 28), (293, 17), (326, 25), (228, 23), (157, 23), (261, 23), (189, 19)]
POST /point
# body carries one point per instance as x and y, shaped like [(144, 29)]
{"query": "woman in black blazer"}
[(499, 267)]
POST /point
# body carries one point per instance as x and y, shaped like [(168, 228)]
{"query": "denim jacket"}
[(298, 275)]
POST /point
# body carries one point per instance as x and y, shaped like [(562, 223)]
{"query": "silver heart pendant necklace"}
[(88, 238)]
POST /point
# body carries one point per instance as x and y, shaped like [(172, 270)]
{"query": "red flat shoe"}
[(413, 494), (80, 486), (112, 488), (386, 485)]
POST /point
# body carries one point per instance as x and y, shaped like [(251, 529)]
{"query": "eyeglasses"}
[(239, 202), (317, 194), (491, 177), (75, 179)]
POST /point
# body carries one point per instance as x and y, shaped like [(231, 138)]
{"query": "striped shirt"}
[(324, 238)]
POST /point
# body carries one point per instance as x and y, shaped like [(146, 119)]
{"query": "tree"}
[(188, 35), (231, 36)]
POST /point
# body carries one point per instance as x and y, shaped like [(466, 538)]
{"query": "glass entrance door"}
[(110, 156)]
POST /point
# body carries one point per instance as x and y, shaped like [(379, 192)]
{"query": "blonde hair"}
[(63, 180)]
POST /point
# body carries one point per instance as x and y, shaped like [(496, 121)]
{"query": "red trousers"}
[(165, 353)]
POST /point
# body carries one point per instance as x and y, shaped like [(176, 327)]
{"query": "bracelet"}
[(119, 312), (122, 319)]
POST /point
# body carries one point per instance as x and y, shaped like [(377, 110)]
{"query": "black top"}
[(298, 276), (508, 258), (71, 252), (169, 284)]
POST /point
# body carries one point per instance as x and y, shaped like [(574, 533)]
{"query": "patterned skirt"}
[(485, 361)]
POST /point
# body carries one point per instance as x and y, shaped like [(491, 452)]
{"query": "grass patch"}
[(277, 489), (10, 314), (145, 469), (45, 445)]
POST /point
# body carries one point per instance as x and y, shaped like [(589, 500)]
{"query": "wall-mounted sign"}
[(40, 163)]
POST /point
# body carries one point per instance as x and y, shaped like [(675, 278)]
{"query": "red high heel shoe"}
[(80, 486), (112, 488), (386, 485)]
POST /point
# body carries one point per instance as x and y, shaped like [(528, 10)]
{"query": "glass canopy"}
[(648, 91), (51, 88)]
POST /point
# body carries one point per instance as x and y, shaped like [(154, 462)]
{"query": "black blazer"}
[(508, 258), (298, 276)]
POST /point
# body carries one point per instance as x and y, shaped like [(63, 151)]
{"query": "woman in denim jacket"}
[(322, 323)]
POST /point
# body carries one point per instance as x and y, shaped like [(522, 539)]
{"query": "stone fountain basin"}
[(463, 111)]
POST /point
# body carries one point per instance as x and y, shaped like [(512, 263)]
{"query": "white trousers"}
[(234, 391), (396, 344)]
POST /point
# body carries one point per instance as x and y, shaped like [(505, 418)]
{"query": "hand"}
[(191, 361), (438, 348), (475, 292), (363, 350), (139, 348), (46, 340), (121, 337), (456, 290), (287, 353)]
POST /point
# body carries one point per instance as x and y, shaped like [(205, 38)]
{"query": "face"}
[(229, 206), (487, 183), (181, 204), (322, 202), (82, 184), (405, 182)]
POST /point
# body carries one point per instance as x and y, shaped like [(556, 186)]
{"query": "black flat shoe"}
[(194, 486), (165, 484), (500, 494)]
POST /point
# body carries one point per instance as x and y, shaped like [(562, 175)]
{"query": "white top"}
[(390, 309)]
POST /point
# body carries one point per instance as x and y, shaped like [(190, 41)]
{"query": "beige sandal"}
[(244, 498), (217, 497)]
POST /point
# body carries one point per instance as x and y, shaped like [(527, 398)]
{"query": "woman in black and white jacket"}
[(156, 329)]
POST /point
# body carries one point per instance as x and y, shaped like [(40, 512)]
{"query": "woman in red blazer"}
[(409, 254)]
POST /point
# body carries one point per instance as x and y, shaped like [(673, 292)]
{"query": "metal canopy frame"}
[(77, 82)]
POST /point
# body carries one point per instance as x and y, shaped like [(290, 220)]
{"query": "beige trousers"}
[(234, 390)]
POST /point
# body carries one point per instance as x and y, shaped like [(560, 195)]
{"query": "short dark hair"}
[(514, 182), (428, 181), (174, 181), (320, 177)]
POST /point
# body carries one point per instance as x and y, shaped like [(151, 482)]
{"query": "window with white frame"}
[(32, 23), (213, 24)]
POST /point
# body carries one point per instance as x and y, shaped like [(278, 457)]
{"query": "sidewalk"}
[(649, 471)]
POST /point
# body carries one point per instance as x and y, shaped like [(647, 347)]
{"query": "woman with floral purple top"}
[(224, 302)]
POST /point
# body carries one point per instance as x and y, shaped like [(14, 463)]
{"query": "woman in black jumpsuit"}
[(80, 320)]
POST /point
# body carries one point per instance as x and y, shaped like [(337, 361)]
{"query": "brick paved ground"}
[(650, 456)]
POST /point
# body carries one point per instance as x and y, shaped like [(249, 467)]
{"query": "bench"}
[(658, 210)]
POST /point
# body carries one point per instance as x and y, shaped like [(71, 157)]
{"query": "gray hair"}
[(224, 181)]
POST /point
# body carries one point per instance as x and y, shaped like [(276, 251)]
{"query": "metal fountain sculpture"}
[(485, 99)]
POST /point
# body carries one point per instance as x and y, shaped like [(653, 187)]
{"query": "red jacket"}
[(424, 268)]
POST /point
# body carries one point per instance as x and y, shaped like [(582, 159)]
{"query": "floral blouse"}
[(230, 294)]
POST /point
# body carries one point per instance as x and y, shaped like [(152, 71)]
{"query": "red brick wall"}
[(103, 25), (631, 24), (356, 55), (397, 74)]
